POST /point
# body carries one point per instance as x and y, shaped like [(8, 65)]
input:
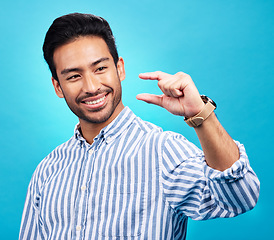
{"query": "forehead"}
[(80, 52)]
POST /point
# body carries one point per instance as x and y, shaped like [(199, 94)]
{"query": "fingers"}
[(158, 75), (150, 98), (181, 97), (170, 85)]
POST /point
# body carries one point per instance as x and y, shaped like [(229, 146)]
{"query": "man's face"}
[(89, 80)]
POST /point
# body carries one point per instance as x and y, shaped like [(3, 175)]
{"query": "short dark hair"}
[(69, 27)]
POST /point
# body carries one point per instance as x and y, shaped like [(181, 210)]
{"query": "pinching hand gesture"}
[(180, 95)]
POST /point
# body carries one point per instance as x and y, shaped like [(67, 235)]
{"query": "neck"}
[(91, 130)]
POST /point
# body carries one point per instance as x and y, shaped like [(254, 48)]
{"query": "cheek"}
[(71, 90), (112, 79)]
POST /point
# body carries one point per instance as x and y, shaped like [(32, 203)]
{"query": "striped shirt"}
[(134, 182)]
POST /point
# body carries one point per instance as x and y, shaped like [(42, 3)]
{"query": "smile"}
[(95, 101)]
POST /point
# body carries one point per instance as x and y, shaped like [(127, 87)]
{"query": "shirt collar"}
[(112, 130)]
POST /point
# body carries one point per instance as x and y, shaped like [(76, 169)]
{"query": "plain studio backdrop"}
[(226, 46)]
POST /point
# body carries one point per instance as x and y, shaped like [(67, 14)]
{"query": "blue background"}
[(226, 46)]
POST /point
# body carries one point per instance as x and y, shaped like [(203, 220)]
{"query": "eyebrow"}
[(68, 70)]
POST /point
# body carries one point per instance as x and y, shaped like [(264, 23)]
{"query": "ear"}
[(121, 69), (57, 88)]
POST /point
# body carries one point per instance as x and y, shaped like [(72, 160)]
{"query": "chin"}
[(98, 116)]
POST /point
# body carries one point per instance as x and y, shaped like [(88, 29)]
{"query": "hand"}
[(180, 95)]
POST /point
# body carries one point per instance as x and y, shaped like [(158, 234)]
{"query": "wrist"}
[(208, 107)]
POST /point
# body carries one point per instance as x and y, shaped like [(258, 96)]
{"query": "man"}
[(119, 177)]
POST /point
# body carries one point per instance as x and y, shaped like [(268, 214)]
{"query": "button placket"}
[(90, 151), (81, 201)]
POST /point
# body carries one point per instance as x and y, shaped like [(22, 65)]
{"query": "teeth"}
[(96, 101)]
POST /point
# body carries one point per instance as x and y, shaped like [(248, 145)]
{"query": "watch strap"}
[(199, 118)]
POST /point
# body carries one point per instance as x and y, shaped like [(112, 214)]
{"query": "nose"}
[(91, 84)]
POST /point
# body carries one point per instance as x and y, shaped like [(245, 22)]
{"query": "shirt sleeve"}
[(29, 223), (191, 187)]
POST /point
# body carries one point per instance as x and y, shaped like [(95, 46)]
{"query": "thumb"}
[(150, 98)]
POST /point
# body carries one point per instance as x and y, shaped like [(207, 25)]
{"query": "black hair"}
[(69, 27)]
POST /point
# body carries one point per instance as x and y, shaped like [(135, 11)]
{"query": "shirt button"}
[(78, 228), (83, 188), (109, 139), (90, 151)]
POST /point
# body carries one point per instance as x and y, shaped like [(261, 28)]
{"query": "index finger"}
[(158, 75)]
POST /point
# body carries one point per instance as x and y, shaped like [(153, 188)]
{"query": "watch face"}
[(207, 99)]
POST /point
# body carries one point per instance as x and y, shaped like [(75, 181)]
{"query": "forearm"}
[(202, 192), (182, 98), (219, 148)]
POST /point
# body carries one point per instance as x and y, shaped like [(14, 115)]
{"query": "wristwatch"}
[(199, 118)]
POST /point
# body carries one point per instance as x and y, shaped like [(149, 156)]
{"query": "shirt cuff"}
[(236, 171)]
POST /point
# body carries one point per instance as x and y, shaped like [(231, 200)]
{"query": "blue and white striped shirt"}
[(134, 182)]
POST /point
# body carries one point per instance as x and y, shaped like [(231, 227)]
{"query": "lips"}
[(95, 101)]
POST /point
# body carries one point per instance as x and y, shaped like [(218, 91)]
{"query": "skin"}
[(87, 72), (181, 97)]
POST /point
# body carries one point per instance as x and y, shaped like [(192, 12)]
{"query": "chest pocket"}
[(121, 210)]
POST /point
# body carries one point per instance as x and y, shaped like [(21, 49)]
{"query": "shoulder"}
[(59, 152), (168, 141), (54, 161), (177, 144), (146, 127)]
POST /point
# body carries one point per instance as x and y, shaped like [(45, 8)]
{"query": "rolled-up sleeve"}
[(201, 192)]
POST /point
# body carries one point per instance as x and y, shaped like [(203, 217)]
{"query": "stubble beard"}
[(74, 107)]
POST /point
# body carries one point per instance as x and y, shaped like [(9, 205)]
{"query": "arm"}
[(29, 223), (181, 97), (216, 183), (193, 188)]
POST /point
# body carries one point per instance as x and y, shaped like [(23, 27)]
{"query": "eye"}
[(73, 77), (100, 69)]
